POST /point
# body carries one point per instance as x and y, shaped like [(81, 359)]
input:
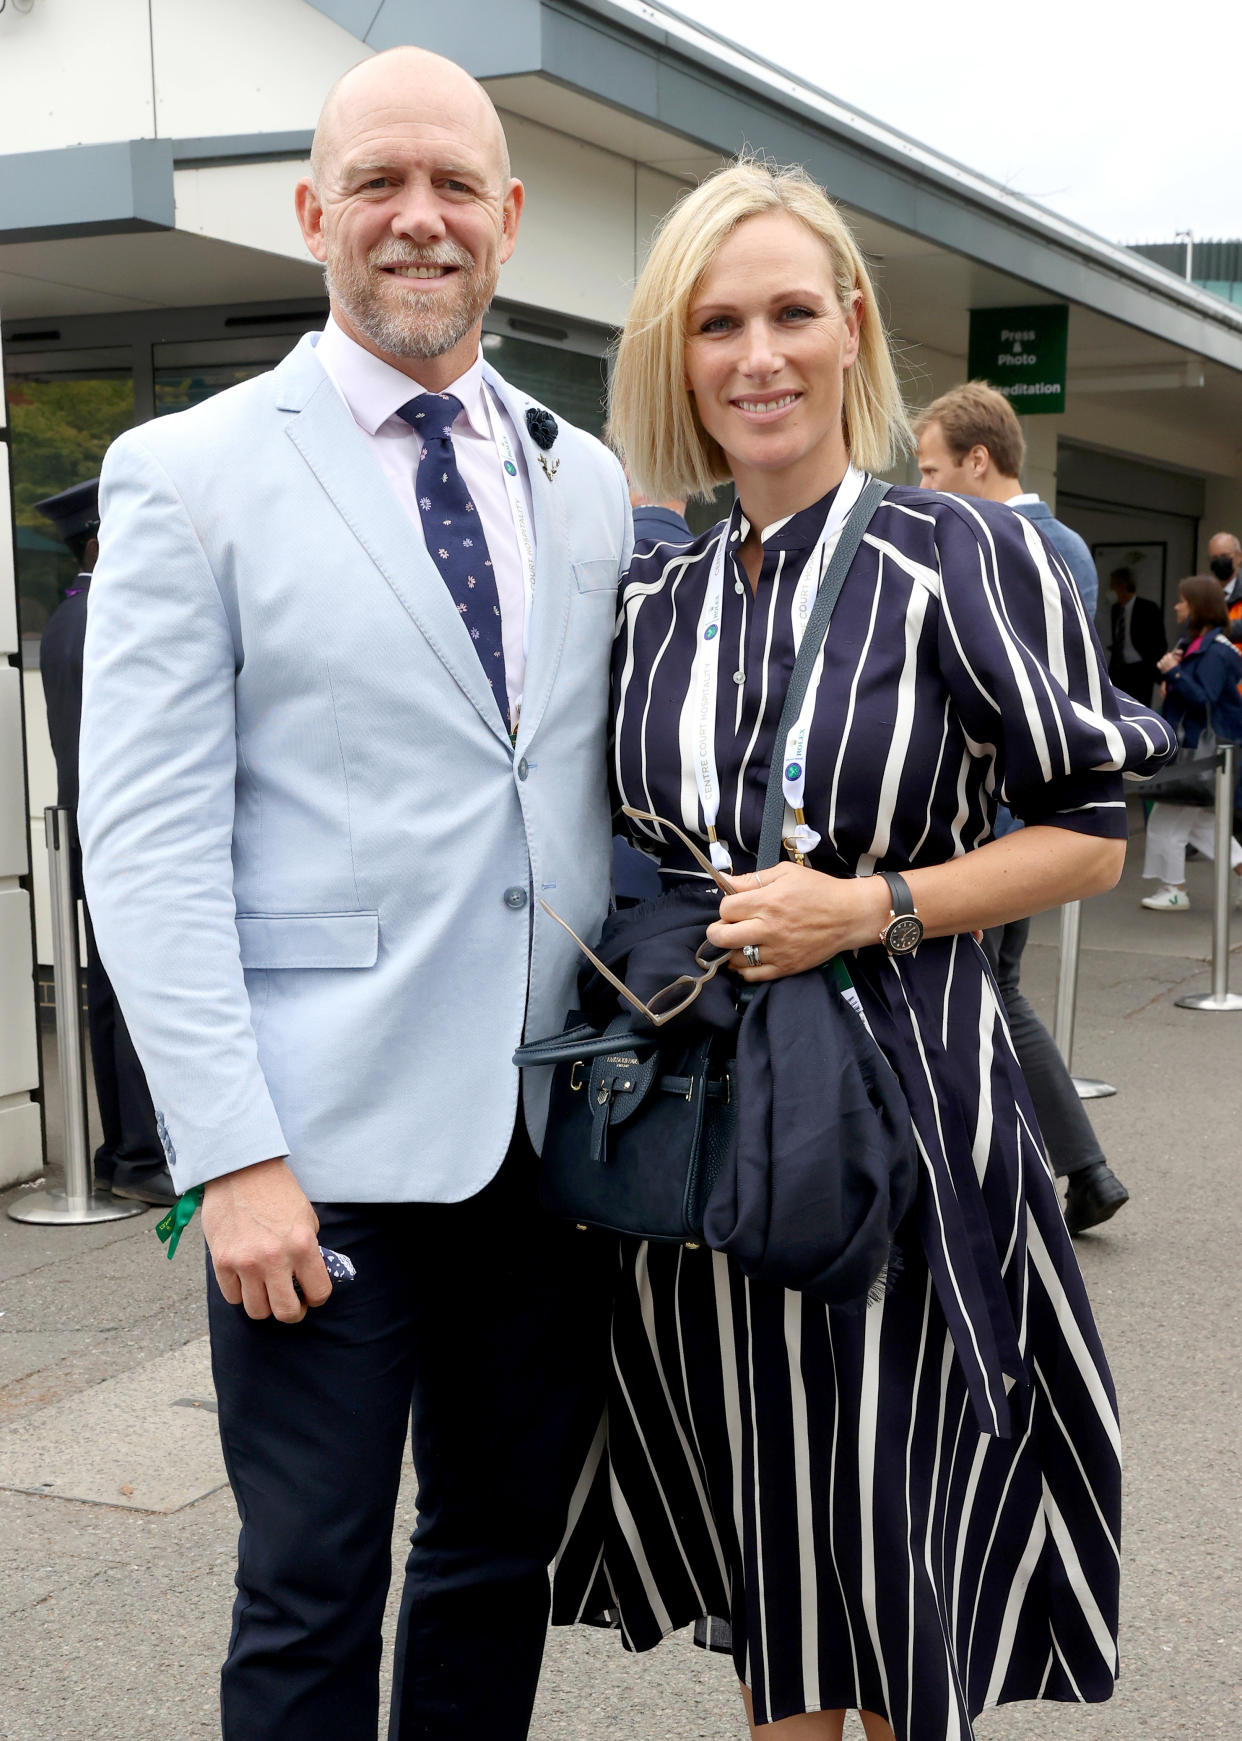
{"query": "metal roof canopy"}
[(639, 81), (688, 84)]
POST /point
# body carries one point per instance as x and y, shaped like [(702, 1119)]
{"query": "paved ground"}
[(114, 1618)]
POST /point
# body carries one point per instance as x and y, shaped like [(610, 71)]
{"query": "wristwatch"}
[(904, 931)]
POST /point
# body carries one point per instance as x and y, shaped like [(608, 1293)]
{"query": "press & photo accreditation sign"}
[(1021, 352)]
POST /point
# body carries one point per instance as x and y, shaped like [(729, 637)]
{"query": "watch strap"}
[(900, 898)]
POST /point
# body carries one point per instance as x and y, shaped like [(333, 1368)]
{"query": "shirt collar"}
[(1025, 499), (374, 390)]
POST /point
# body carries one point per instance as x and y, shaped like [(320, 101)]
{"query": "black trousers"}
[(130, 1150), (1067, 1131), (487, 1323)]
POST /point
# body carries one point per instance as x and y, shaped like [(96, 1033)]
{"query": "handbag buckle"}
[(574, 1083)]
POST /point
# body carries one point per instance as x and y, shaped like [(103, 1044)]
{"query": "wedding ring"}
[(758, 880), (751, 952)]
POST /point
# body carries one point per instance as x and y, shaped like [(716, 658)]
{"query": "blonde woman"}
[(909, 1509)]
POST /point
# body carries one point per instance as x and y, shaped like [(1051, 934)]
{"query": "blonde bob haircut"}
[(653, 419)]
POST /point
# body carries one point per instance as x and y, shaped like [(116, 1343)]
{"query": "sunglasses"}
[(672, 999)]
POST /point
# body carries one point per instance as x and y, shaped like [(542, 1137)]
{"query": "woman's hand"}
[(1169, 660), (797, 918)]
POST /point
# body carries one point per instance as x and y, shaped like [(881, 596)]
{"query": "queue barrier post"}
[(1086, 1087), (77, 1205), (1220, 997)]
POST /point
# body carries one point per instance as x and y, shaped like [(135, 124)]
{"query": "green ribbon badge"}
[(179, 1217)]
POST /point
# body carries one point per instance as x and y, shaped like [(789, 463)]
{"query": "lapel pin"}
[(550, 466)]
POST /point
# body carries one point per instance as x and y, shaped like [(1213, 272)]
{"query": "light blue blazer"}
[(312, 855)]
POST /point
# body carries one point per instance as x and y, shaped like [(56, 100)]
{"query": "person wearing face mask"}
[(1224, 561), (906, 1504)]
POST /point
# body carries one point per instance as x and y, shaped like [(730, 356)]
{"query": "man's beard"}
[(420, 324)]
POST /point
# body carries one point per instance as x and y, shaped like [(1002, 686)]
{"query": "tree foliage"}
[(60, 431)]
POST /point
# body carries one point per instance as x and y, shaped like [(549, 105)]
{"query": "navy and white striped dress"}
[(911, 1507)]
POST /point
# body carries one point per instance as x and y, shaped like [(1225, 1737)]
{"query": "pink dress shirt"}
[(373, 390)]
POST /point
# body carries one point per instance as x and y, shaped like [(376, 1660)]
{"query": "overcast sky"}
[(1125, 117)]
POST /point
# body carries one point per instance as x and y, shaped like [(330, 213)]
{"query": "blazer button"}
[(523, 768), (515, 898)]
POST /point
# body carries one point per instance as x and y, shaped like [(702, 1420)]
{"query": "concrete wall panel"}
[(13, 859), (575, 249), (1131, 424), (21, 1143), (250, 204), (654, 193), (73, 72), (1222, 511), (234, 67), (19, 1061)]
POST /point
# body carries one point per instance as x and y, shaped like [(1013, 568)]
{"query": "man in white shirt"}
[(1138, 638), (346, 688)]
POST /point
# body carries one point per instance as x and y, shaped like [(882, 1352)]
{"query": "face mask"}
[(1222, 568)]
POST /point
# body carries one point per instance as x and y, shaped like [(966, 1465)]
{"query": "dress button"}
[(515, 898), (739, 676), (523, 768)]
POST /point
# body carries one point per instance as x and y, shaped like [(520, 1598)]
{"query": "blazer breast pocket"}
[(601, 574), (276, 940)]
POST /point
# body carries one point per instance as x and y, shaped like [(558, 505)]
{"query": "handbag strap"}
[(872, 494)]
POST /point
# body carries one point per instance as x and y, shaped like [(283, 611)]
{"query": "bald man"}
[(347, 669), (1225, 562)]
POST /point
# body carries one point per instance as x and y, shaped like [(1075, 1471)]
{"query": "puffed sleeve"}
[(1027, 677)]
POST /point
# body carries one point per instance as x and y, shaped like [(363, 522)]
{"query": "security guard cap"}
[(75, 511)]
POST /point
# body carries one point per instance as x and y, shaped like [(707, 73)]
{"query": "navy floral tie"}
[(454, 534)]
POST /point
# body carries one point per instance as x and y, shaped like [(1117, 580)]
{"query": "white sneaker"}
[(1167, 899)]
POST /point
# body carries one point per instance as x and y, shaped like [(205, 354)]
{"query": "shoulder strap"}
[(872, 494)]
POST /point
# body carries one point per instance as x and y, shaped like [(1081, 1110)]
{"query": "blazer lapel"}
[(553, 577), (330, 442)]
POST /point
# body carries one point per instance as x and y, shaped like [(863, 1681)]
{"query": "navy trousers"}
[(1068, 1133), (484, 1322)]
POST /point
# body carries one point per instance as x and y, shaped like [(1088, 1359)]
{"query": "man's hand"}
[(261, 1232)]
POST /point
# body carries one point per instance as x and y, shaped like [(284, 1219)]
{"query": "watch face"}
[(903, 934)]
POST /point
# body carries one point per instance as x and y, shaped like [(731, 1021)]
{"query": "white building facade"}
[(149, 256)]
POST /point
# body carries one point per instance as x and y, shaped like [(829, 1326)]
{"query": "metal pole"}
[(1187, 236), (77, 1204), (1220, 997), (1087, 1087)]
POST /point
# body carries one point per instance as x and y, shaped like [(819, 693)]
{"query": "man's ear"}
[(510, 218), (310, 218)]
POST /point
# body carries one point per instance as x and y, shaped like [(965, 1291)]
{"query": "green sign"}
[(1021, 352)]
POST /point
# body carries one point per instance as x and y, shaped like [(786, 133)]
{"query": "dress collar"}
[(795, 532), (374, 390)]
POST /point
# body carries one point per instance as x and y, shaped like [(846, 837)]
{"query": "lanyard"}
[(521, 524), (704, 673)]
